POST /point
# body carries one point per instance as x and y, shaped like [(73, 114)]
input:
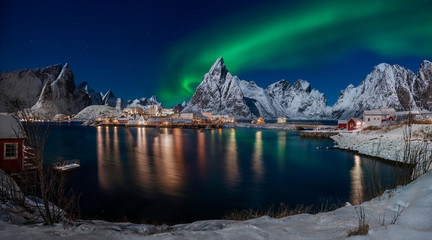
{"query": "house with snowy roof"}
[(376, 116), (12, 139)]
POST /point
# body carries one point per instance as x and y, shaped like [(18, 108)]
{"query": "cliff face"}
[(61, 96), (219, 92), (25, 86)]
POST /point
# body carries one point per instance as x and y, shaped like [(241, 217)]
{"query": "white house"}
[(281, 120), (376, 116)]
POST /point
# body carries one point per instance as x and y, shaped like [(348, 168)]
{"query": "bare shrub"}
[(43, 185), (363, 227)]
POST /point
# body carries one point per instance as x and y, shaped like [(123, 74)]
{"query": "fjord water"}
[(182, 175)]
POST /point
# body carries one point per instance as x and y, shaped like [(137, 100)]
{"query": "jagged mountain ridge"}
[(25, 86), (386, 86), (61, 96), (222, 93), (219, 92), (51, 90)]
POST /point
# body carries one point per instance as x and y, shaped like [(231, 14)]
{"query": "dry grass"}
[(282, 211), (363, 227), (422, 121)]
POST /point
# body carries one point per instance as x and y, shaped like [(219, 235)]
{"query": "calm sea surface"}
[(182, 175)]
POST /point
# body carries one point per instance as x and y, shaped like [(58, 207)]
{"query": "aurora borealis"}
[(163, 48), (288, 38)]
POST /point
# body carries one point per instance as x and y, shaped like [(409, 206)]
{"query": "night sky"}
[(143, 48)]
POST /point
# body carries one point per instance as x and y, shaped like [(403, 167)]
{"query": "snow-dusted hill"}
[(94, 111)]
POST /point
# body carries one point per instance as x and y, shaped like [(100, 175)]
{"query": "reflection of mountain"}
[(356, 182)]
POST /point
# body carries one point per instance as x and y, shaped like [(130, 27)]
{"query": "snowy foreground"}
[(402, 213), (413, 201)]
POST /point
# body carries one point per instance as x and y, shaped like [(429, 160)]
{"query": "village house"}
[(376, 116), (11, 144), (354, 124), (342, 124), (281, 120), (152, 110)]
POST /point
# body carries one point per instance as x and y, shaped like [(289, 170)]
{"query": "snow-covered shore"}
[(412, 201), (387, 143)]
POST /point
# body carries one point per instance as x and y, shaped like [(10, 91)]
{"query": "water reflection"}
[(356, 182), (281, 147), (108, 162), (201, 153), (143, 169), (231, 163), (257, 155)]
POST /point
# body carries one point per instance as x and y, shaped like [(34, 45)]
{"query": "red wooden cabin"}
[(11, 144), (354, 123)]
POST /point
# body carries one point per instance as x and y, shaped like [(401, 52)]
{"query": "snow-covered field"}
[(388, 144), (402, 213)]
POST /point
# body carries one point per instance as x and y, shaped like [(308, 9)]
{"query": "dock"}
[(65, 166)]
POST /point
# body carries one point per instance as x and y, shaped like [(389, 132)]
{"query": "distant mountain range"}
[(386, 86), (52, 91)]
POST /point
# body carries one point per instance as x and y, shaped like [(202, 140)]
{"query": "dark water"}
[(183, 175)]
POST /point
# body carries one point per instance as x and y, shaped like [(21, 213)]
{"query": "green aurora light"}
[(291, 36)]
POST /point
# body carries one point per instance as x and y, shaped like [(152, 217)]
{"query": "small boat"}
[(66, 165)]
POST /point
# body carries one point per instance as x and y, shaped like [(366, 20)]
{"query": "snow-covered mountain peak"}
[(66, 78), (302, 85), (218, 72)]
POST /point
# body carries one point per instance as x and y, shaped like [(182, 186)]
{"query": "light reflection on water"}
[(357, 184), (177, 175)]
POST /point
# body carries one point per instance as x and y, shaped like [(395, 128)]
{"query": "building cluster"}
[(154, 116), (371, 118)]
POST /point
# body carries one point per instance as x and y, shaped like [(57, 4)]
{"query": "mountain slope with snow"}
[(386, 86), (222, 93), (61, 97), (297, 100), (25, 86), (219, 92)]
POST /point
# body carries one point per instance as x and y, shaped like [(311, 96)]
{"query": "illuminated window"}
[(10, 150)]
